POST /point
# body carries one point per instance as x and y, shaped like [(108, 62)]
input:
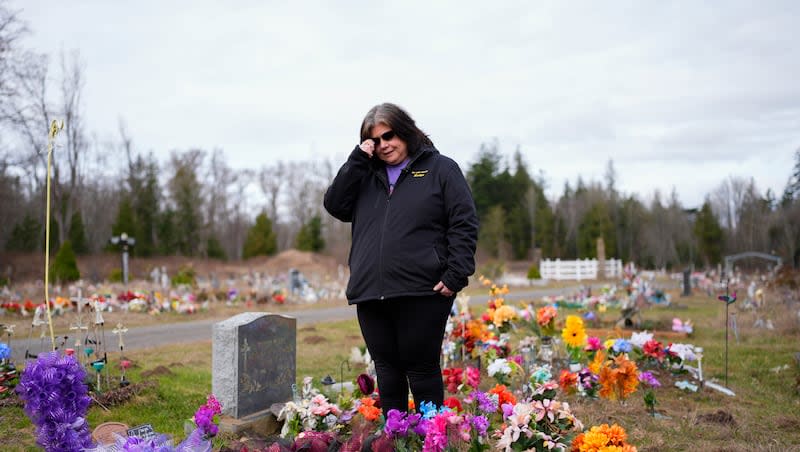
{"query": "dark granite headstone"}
[(253, 362)]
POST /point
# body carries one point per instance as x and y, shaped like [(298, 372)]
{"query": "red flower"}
[(654, 349), (453, 376), (454, 404)]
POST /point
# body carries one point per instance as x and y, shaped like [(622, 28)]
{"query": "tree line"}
[(195, 204)]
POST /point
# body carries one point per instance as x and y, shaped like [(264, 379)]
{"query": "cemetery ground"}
[(764, 415)]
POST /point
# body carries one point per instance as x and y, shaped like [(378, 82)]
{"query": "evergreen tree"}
[(309, 238), (77, 234), (261, 239), (482, 179), (185, 190), (126, 221), (25, 235), (709, 235), (64, 267), (492, 232), (596, 223), (214, 248), (166, 233)]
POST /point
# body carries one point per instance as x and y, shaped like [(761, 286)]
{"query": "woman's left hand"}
[(442, 289)]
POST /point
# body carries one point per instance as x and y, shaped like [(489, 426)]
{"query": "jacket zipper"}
[(386, 218)]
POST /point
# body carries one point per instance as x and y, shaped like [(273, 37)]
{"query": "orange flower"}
[(503, 395), (616, 434), (368, 409), (568, 381), (577, 443), (618, 382), (411, 405)]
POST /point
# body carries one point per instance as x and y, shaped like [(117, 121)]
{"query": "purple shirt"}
[(393, 173)]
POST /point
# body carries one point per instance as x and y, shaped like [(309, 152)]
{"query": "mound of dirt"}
[(157, 372), (720, 417), (28, 267)]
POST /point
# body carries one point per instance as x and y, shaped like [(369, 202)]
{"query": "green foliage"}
[(261, 239), (596, 223), (186, 189), (125, 221), (184, 277), (492, 232), (309, 238), (116, 276), (77, 234), (709, 235), (64, 267), (25, 235), (534, 273), (166, 233), (214, 249)]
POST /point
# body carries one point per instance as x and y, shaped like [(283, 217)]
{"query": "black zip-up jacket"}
[(404, 243)]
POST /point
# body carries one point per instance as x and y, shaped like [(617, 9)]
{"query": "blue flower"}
[(622, 346), (5, 351)]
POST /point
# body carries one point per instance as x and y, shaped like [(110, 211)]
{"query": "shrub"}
[(116, 275), (533, 272), (65, 268), (185, 276)]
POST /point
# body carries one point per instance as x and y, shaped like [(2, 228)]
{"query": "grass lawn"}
[(764, 414)]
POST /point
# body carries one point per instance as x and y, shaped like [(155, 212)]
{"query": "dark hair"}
[(399, 121)]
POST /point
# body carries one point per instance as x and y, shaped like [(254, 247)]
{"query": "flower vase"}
[(575, 367), (546, 352)]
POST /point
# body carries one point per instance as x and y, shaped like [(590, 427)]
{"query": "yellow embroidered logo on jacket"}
[(419, 173)]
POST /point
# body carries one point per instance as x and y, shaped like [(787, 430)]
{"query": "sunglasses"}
[(385, 136)]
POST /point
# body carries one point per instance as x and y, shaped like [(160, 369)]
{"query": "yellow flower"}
[(609, 343), (573, 333), (504, 314)]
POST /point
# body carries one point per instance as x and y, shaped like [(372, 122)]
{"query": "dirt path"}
[(200, 330)]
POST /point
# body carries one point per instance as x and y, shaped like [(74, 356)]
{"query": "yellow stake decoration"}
[(55, 127)]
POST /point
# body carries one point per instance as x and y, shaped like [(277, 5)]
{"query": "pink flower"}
[(593, 344)]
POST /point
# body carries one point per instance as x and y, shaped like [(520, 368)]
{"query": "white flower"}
[(639, 339), (684, 351), (499, 365)]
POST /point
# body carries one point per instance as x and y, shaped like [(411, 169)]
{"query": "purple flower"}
[(396, 423), (648, 379), (422, 427), (365, 384), (480, 424), (486, 404), (508, 410), (56, 401)]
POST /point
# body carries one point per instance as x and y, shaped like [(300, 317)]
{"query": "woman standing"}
[(414, 231)]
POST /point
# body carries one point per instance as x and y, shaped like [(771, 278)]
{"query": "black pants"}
[(404, 338)]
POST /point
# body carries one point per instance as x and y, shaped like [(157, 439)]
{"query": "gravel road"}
[(183, 332)]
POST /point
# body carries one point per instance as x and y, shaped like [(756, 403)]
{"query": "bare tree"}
[(270, 180)]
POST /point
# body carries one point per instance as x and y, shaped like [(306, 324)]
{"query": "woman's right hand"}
[(368, 146)]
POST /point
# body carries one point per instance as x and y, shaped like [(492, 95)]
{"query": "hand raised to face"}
[(368, 146)]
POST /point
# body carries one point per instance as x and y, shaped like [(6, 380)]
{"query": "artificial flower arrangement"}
[(8, 372), (537, 424), (313, 412)]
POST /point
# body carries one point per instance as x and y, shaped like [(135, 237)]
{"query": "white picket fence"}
[(578, 270)]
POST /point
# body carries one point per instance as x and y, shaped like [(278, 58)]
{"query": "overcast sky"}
[(677, 94)]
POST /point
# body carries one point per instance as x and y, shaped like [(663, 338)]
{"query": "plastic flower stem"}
[(55, 127)]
